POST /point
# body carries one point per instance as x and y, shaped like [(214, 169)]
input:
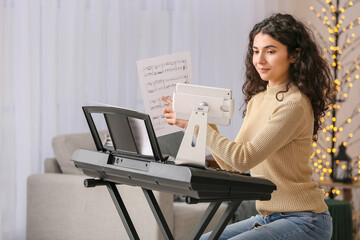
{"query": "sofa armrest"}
[(60, 207), (51, 166), (187, 216)]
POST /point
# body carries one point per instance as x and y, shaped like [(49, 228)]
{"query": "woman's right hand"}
[(170, 115)]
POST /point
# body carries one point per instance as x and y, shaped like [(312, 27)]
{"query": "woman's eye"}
[(271, 52), (256, 52)]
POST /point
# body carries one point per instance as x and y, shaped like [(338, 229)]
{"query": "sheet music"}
[(158, 77)]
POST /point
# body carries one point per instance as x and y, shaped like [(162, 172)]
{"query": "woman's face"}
[(271, 59)]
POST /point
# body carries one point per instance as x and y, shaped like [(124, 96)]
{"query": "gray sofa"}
[(59, 207)]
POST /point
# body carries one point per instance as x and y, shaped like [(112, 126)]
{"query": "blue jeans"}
[(286, 225)]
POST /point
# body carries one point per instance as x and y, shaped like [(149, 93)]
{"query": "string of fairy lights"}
[(339, 45)]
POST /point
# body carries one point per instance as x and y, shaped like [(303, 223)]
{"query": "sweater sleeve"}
[(286, 122)]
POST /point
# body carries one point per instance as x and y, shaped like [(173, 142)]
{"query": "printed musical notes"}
[(158, 77), (157, 103), (165, 84), (171, 66)]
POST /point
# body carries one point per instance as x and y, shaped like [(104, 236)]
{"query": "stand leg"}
[(194, 155), (120, 207), (229, 212), (205, 220), (149, 195)]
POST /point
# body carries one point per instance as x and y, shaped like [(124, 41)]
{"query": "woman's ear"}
[(293, 58)]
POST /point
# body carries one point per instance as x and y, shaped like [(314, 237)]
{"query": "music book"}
[(158, 77)]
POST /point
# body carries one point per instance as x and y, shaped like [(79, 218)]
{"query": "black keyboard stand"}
[(149, 195)]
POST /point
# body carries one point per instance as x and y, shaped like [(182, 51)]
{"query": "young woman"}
[(287, 90)]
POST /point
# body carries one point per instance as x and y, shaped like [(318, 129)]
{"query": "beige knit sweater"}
[(275, 141)]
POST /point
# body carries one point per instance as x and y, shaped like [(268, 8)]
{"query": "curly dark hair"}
[(310, 72)]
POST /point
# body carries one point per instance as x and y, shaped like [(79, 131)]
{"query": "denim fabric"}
[(286, 225)]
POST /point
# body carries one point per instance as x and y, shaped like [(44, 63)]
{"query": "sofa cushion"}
[(170, 143), (65, 145)]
